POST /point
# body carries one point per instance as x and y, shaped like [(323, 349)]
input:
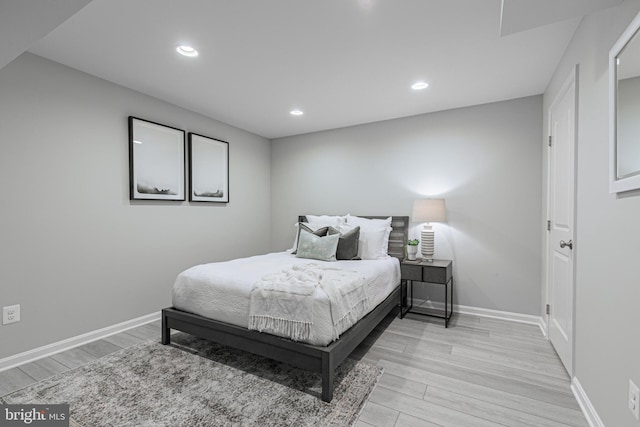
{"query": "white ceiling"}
[(343, 62)]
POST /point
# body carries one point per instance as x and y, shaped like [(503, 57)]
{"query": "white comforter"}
[(222, 290)]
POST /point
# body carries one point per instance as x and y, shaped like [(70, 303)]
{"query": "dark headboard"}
[(399, 233)]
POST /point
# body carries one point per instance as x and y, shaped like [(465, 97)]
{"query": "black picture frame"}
[(208, 169), (156, 161)]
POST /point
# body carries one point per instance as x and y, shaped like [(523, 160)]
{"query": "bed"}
[(323, 353)]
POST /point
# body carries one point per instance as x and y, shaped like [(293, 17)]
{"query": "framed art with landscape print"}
[(156, 161), (209, 169)]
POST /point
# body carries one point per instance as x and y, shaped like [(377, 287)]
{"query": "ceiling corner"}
[(22, 23), (523, 15)]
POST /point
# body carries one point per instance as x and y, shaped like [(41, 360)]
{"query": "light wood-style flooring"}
[(478, 372)]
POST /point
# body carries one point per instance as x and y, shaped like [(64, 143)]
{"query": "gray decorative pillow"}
[(347, 244), (316, 247), (319, 232)]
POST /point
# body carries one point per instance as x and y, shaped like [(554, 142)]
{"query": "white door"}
[(560, 291)]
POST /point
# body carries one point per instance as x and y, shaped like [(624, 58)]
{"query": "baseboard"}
[(585, 404), (493, 314), (543, 326), (57, 347)]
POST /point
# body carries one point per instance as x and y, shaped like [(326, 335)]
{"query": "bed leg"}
[(166, 332), (328, 372)]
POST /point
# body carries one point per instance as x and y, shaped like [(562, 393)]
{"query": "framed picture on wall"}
[(156, 161), (208, 169)]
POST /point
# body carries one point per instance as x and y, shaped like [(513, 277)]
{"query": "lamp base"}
[(428, 240)]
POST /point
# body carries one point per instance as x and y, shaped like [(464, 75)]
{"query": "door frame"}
[(572, 79)]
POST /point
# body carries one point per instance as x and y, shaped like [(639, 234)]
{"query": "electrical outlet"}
[(10, 314), (634, 400)]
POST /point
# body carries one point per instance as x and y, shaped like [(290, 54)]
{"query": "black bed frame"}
[(322, 359)]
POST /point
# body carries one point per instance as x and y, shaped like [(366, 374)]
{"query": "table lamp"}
[(428, 210)]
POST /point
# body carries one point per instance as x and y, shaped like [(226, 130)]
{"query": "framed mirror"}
[(624, 110)]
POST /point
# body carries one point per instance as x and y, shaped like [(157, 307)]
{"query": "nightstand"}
[(438, 271)]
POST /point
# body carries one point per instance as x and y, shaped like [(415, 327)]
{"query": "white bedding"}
[(221, 290)]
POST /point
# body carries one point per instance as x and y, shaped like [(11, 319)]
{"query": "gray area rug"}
[(194, 382)]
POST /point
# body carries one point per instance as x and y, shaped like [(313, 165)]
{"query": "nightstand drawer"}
[(411, 272), (436, 275)]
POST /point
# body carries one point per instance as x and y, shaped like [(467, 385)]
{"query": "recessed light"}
[(296, 112), (137, 142), (187, 51), (419, 85)]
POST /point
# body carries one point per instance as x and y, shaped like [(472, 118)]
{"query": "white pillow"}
[(332, 220), (373, 241), (374, 236), (367, 222)]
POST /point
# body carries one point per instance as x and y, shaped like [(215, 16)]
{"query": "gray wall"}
[(75, 253), (607, 347), (484, 160)]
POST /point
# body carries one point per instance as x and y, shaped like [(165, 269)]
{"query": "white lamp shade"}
[(429, 210)]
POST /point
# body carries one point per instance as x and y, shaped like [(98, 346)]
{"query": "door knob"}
[(563, 244)]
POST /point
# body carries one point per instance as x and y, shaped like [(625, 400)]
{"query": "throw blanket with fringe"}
[(282, 303)]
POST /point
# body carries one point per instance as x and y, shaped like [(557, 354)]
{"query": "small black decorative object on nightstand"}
[(438, 271)]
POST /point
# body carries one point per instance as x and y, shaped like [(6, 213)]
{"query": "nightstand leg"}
[(411, 305), (403, 287), (451, 295), (446, 306)]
